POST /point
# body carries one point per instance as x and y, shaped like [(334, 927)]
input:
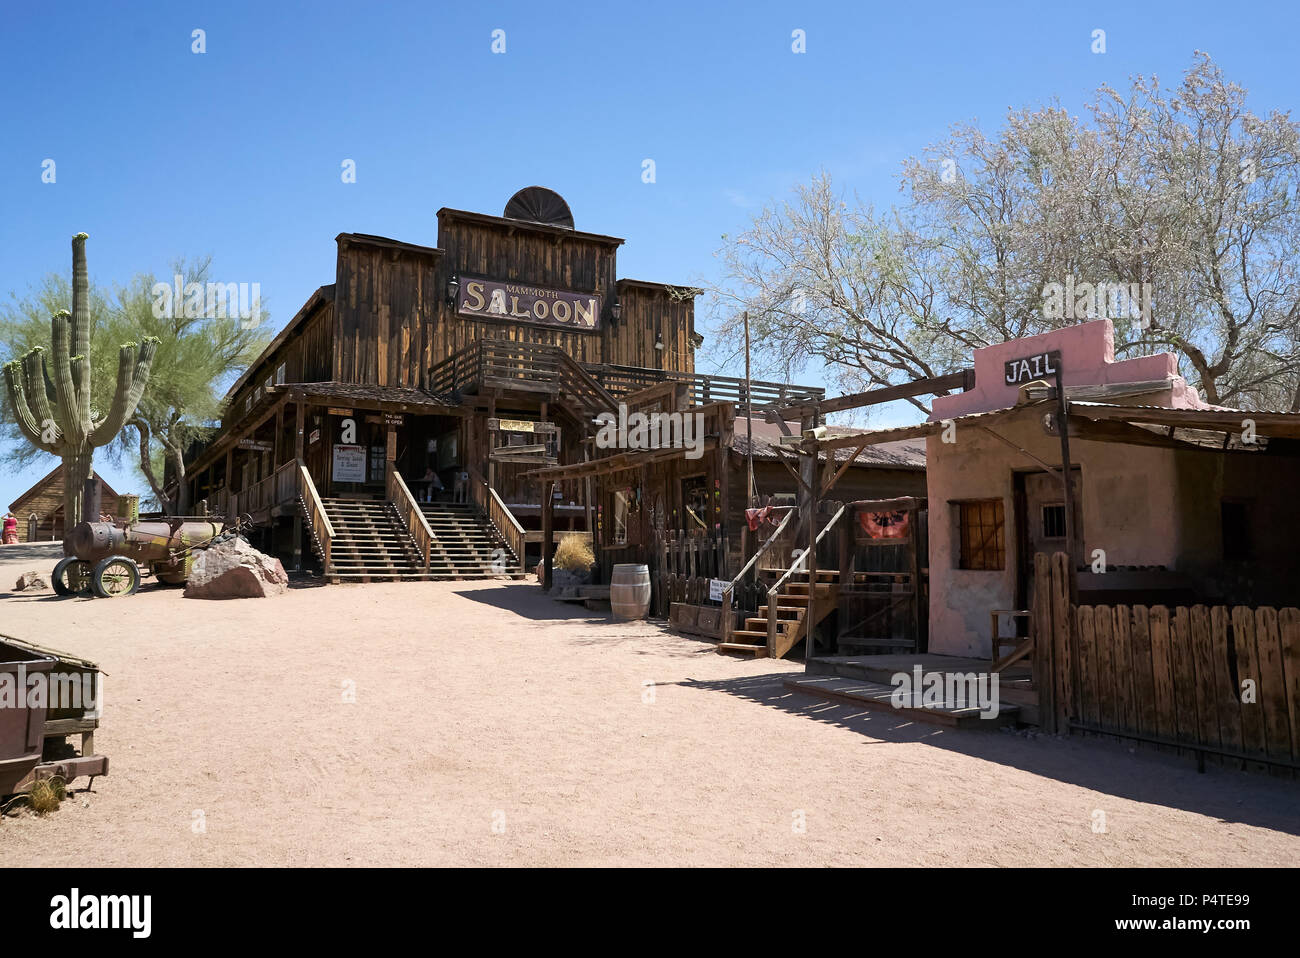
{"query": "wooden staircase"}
[(466, 546), (370, 544), (791, 623)]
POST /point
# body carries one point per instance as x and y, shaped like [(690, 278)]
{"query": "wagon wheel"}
[(71, 576), (115, 577)]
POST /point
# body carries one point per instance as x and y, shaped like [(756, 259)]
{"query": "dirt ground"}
[(494, 726)]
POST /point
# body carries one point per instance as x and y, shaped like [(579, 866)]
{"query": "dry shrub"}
[(45, 795), (574, 554)]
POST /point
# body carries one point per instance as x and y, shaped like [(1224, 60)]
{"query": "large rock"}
[(234, 570), (31, 582)]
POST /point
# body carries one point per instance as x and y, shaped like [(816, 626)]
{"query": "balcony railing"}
[(541, 367)]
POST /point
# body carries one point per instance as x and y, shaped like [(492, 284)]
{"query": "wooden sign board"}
[(480, 298), (1029, 368), (340, 412), (521, 425), (256, 445), (349, 463), (519, 452)]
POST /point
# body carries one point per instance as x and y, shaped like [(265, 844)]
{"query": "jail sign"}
[(489, 299), (1029, 368)]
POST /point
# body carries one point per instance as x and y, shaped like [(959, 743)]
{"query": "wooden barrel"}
[(629, 591)]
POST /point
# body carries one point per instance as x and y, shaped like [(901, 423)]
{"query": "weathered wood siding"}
[(386, 299), (307, 356)]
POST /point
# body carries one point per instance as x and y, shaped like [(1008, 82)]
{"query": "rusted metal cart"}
[(109, 559)]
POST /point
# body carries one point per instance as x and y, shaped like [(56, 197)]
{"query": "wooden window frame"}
[(981, 543)]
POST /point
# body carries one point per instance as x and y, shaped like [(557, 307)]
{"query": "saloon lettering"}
[(532, 304)]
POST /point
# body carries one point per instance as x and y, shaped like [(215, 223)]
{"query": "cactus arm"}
[(39, 401), (81, 327), (27, 423), (132, 376), (64, 391)]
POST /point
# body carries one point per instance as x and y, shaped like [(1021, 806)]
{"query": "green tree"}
[(199, 353)]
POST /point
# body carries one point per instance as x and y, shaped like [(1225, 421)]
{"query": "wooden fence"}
[(684, 564), (1217, 682)]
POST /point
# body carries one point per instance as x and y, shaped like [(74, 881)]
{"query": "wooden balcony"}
[(534, 367)]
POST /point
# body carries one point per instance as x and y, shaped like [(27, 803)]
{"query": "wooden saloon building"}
[(395, 426)]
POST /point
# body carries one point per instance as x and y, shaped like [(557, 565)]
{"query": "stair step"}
[(790, 611), (757, 651), (877, 696), (760, 625)]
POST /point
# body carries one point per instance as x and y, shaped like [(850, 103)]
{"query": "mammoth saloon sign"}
[(489, 299)]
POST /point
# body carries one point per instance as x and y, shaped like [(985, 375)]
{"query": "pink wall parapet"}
[(1087, 359)]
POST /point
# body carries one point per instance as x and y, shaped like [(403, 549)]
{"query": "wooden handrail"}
[(321, 526), (812, 586), (416, 524), (761, 550), (286, 483), (507, 525), (497, 512), (730, 587)]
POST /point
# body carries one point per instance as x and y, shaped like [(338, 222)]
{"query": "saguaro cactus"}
[(67, 429)]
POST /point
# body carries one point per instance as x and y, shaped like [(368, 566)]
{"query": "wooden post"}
[(750, 491), (278, 454), (547, 535), (298, 439), (812, 578), (1044, 661), (1071, 534)]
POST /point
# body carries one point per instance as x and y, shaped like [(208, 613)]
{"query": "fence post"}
[(1044, 661)]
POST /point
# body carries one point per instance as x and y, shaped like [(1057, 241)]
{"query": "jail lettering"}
[(1030, 368)]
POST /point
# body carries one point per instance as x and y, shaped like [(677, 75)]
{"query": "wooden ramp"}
[(879, 697)]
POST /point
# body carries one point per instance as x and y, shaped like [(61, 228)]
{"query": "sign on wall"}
[(1029, 368), (490, 299), (349, 463)]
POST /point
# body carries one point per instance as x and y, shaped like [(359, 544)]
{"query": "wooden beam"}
[(830, 462), (879, 436), (1106, 430), (962, 379), (1046, 466), (1281, 425), (791, 469)]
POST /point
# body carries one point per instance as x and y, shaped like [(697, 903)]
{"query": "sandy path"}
[(493, 726)]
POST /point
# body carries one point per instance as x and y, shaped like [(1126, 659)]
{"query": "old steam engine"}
[(107, 558)]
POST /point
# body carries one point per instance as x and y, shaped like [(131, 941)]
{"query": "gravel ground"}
[(490, 725)]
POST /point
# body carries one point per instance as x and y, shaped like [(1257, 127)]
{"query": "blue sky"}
[(237, 152)]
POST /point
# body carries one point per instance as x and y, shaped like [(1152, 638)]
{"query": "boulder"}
[(233, 569), (31, 582)]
